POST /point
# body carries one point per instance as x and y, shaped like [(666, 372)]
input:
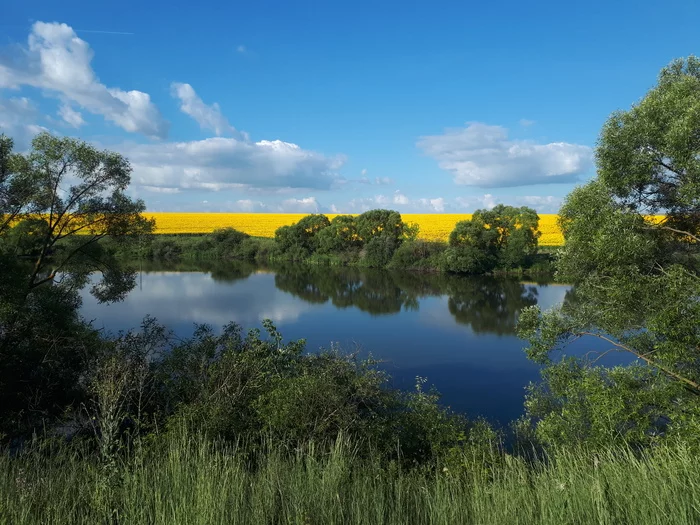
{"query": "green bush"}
[(247, 249), (237, 386), (418, 255), (165, 249), (332, 395), (379, 250), (467, 259)]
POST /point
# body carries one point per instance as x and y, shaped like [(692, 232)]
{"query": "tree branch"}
[(682, 232), (692, 385)]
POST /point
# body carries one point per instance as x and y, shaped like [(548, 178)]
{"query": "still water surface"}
[(458, 332)]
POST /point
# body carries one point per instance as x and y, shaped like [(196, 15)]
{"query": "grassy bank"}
[(194, 482)]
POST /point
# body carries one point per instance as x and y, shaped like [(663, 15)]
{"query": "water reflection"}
[(485, 304), (372, 291), (491, 305), (488, 305), (458, 332)]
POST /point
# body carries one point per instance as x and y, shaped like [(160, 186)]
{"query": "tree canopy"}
[(637, 280), (504, 237), (649, 155), (56, 203)]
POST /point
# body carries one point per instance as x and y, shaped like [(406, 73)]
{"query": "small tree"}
[(504, 237), (374, 223), (339, 236), (301, 239)]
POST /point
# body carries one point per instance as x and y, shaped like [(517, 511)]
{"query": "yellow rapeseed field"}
[(432, 226)]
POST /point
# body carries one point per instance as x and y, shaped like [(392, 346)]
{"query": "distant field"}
[(432, 226)]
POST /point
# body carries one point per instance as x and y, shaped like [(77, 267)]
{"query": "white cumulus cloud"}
[(220, 163), (161, 189), (70, 116), (208, 117), (540, 203), (437, 204), (400, 198), (483, 155), (304, 205), (57, 61), (379, 181)]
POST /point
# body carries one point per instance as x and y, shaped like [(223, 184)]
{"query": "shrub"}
[(247, 249), (376, 223), (165, 249), (379, 250), (467, 259), (418, 255)]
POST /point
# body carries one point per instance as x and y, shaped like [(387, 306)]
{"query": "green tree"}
[(375, 223), (381, 233), (58, 202), (637, 281), (301, 239), (504, 237), (649, 156), (16, 186), (340, 235)]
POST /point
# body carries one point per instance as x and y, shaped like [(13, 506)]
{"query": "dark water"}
[(458, 332)]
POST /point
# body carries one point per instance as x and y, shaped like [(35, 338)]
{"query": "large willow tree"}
[(56, 203), (637, 280)]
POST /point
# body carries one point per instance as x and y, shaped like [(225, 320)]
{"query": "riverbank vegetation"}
[(500, 240), (234, 425), (188, 479)]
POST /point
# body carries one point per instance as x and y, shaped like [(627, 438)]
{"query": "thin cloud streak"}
[(104, 32)]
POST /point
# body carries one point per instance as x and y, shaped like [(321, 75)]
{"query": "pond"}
[(458, 332)]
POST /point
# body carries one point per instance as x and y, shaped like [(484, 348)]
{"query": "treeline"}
[(502, 239)]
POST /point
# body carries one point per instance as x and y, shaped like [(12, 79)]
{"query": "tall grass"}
[(194, 482)]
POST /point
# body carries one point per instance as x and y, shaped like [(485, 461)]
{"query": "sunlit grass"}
[(190, 481)]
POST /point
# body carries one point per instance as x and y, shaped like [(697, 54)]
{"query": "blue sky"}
[(329, 106)]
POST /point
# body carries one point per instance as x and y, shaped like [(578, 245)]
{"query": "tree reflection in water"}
[(486, 304)]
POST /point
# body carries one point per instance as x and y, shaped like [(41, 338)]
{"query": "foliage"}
[(375, 239), (637, 281), (186, 479), (56, 203), (301, 239), (379, 250), (369, 239), (418, 255), (649, 156), (380, 223), (503, 237), (247, 389), (340, 235)]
